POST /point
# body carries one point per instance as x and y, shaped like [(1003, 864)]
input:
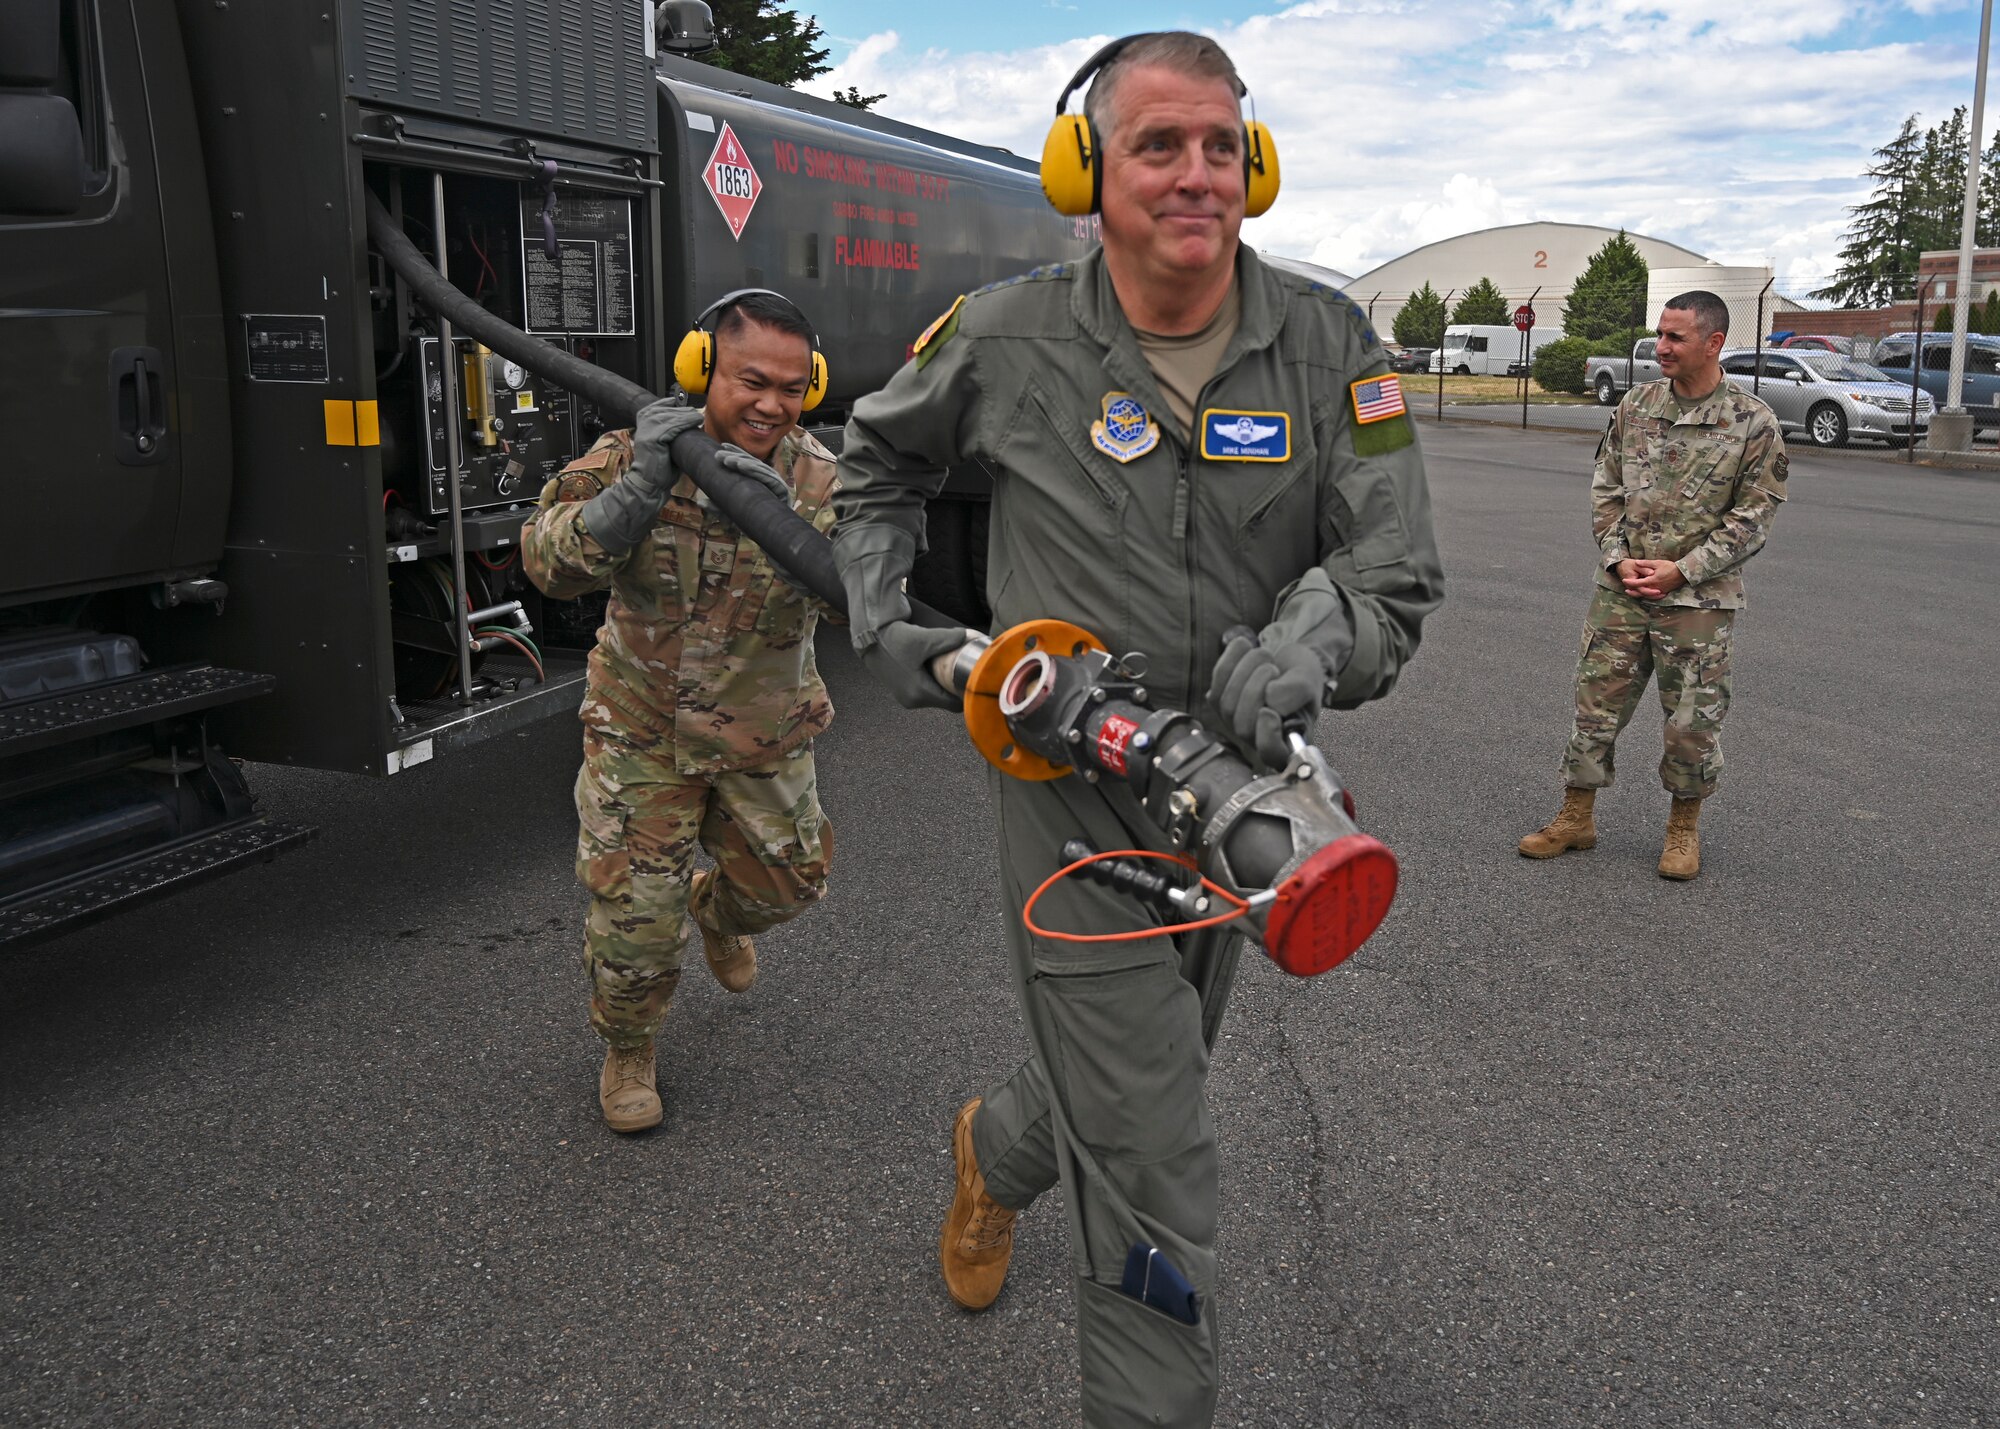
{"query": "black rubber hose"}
[(786, 537)]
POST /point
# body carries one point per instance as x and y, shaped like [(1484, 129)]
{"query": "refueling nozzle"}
[(1045, 699)]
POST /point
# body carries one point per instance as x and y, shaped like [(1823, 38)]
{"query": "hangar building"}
[(1519, 258)]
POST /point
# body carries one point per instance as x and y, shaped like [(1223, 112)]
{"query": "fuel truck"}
[(264, 498)]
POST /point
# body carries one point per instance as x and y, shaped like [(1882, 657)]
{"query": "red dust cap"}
[(1332, 903)]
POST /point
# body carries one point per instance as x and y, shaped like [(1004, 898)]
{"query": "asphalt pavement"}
[(1563, 1145)]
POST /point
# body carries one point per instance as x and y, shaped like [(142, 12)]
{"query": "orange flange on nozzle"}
[(983, 720)]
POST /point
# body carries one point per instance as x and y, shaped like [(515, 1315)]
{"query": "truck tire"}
[(1462, 370), (1607, 390), (950, 577), (1826, 426)]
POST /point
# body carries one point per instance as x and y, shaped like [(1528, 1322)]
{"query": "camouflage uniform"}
[(1699, 488), (699, 713)]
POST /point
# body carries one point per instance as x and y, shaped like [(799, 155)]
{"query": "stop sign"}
[(1524, 317)]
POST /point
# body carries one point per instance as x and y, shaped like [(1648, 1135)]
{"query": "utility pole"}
[(1951, 429)]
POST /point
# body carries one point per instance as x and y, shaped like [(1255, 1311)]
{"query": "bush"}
[(1559, 366)]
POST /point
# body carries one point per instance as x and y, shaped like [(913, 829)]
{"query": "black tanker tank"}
[(870, 225)]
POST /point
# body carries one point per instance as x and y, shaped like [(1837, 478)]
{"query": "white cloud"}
[(1404, 121)]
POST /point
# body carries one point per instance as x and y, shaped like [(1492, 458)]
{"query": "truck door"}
[(87, 372)]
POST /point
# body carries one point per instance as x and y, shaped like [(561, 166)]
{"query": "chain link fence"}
[(1895, 354)]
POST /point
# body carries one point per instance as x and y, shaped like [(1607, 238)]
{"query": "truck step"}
[(46, 720), (49, 912)]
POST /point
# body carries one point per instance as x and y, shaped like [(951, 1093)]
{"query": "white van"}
[(1488, 349)]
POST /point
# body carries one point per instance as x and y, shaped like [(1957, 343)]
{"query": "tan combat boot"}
[(1682, 858), (627, 1090), (1572, 828), (978, 1235), (731, 958)]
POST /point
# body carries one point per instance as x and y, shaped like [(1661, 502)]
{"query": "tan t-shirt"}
[(1183, 365)]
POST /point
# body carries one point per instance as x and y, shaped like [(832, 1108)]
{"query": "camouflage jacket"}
[(704, 653), (1699, 489)]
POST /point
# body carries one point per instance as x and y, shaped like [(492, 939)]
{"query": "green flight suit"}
[(1106, 514)]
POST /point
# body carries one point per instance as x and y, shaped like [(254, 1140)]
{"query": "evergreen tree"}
[(853, 98), (1987, 235), (1610, 295), (1938, 187), (1879, 260), (763, 40), (1420, 321), (1482, 303)]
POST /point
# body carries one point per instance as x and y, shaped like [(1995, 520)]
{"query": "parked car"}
[(1412, 359), (1830, 398), (1487, 349), (1980, 390), (1823, 342), (1610, 377)]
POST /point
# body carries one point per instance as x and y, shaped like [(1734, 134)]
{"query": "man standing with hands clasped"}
[(1688, 479), (1183, 441)]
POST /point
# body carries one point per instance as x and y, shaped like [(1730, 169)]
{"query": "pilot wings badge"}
[(1126, 431), (1246, 436)]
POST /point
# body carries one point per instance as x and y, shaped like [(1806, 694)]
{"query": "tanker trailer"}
[(275, 497)]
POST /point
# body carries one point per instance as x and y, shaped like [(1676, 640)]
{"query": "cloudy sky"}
[(1738, 128)]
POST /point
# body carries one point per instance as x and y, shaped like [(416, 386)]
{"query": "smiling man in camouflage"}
[(703, 697), (1688, 479)]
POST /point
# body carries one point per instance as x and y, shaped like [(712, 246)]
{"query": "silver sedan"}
[(1829, 397)]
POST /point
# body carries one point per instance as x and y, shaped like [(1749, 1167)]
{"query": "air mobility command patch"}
[(1381, 420), (1126, 431), (937, 334), (1246, 436)]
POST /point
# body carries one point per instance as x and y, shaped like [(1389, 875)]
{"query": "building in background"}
[(1518, 257), (1937, 278)]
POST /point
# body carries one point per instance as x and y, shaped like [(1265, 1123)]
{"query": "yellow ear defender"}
[(1073, 171), (694, 359)]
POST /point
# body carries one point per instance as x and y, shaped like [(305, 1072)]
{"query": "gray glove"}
[(873, 562), (733, 458), (900, 658), (1263, 692), (620, 516)]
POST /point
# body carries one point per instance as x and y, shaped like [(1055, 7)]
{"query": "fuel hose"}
[(786, 537)]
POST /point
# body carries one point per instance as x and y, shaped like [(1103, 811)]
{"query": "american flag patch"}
[(1377, 398)]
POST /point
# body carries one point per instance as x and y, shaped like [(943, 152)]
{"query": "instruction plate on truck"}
[(285, 347), (587, 291)]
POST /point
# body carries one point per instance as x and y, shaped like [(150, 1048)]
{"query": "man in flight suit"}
[(703, 697), (1184, 440), (1688, 481)]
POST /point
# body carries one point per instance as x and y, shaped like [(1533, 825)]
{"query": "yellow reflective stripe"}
[(352, 424)]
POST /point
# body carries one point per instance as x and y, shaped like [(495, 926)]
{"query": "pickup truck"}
[(1611, 377)]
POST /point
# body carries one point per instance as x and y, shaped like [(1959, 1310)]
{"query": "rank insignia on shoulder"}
[(1127, 430), (1246, 436), (939, 331)]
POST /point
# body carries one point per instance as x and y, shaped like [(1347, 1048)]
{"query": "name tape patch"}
[(1246, 436)]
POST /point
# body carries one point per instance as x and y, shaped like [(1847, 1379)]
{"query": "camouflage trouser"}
[(1624, 642), (639, 821)]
